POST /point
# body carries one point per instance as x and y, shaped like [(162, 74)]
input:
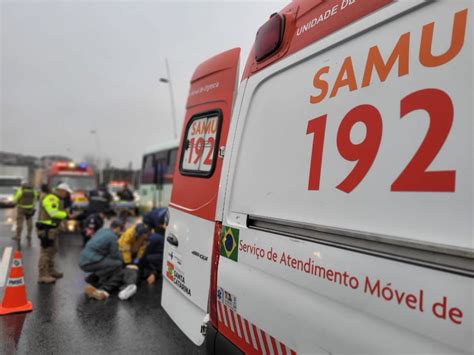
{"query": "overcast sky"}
[(69, 67)]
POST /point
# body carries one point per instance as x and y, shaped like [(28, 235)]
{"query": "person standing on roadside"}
[(49, 219), (25, 198)]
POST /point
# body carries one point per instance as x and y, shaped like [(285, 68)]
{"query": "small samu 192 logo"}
[(230, 243)]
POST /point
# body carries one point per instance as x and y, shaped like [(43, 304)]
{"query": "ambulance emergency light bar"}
[(64, 165), (269, 37)]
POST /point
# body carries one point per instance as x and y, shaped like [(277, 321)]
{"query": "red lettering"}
[(455, 315), (411, 301), (399, 296), (363, 153), (317, 127), (439, 308), (375, 289), (440, 109)]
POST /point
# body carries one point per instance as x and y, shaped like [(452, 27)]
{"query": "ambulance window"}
[(199, 152)]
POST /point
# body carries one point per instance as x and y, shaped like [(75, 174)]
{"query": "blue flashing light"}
[(83, 165)]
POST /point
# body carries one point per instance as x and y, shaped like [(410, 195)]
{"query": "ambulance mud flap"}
[(217, 344)]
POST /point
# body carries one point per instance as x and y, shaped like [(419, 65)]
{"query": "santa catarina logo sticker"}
[(170, 271), (230, 243)]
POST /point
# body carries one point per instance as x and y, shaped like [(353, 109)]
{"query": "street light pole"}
[(95, 132), (173, 107)]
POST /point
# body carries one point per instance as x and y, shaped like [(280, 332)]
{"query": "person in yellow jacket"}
[(24, 199), (49, 219), (133, 242)]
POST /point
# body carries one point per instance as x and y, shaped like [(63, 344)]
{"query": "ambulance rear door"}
[(187, 254)]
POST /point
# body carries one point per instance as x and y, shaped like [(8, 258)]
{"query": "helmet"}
[(65, 187)]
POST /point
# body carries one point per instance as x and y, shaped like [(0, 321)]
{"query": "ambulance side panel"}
[(364, 262)]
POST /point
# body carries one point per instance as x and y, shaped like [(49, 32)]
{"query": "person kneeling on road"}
[(150, 264), (133, 242), (101, 256), (152, 260), (144, 250)]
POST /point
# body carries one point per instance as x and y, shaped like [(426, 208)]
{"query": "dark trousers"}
[(103, 267), (151, 264), (118, 279)]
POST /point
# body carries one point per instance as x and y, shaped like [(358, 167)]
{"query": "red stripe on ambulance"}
[(246, 335)]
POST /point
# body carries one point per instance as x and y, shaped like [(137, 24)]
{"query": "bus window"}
[(148, 170), (171, 165), (161, 166)]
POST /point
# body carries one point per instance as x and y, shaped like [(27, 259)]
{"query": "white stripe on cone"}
[(15, 282)]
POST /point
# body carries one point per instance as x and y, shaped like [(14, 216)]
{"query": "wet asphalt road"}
[(63, 321)]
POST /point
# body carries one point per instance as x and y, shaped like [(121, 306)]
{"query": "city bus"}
[(156, 180)]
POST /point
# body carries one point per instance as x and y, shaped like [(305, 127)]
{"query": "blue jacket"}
[(155, 218), (152, 259), (103, 244)]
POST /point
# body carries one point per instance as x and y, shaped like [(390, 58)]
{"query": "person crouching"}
[(102, 258)]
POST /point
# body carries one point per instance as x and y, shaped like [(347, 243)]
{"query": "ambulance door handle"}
[(171, 238)]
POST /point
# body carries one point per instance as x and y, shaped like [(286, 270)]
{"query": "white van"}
[(343, 220), (8, 186)]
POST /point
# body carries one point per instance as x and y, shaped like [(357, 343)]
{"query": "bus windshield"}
[(76, 183)]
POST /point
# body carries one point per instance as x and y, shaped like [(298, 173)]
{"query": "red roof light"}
[(269, 37)]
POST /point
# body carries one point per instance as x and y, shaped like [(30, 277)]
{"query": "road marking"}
[(7, 253)]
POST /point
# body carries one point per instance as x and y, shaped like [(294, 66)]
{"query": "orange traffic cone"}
[(14, 299)]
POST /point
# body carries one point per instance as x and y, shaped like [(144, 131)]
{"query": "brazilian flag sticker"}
[(230, 243)]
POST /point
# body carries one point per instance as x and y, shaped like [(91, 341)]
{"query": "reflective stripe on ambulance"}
[(246, 335)]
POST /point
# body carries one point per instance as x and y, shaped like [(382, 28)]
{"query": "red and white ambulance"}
[(334, 214)]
